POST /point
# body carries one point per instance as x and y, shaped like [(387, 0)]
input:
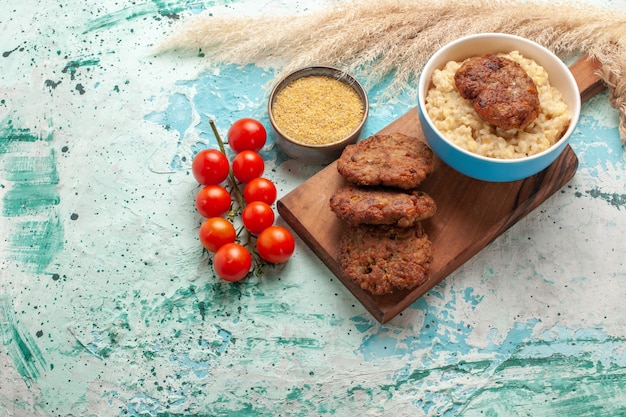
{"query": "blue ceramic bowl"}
[(486, 168)]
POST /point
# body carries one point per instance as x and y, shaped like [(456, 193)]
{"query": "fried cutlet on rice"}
[(501, 92), (381, 259), (378, 205), (394, 160)]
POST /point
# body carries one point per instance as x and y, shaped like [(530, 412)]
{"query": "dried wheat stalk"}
[(398, 36)]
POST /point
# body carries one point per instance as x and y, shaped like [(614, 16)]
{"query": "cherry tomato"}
[(246, 134), (212, 201), (232, 262), (257, 216), (275, 244), (248, 165), (260, 189), (216, 232), (210, 167)]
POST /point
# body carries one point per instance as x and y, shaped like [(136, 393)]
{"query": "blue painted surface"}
[(115, 310)]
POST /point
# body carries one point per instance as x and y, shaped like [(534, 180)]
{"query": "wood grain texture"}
[(471, 213)]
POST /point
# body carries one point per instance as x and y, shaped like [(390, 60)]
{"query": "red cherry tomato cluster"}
[(233, 255)]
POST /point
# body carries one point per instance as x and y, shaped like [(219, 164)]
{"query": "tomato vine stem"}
[(246, 240), (231, 177)]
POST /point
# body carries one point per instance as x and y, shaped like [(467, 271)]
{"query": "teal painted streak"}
[(151, 8), (72, 66), (557, 385), (12, 138), (36, 242), (362, 324), (420, 378), (538, 378), (143, 406), (23, 200), (576, 358), (35, 179), (616, 200), (20, 346), (300, 342), (304, 342), (174, 306), (244, 410), (31, 191), (195, 304), (165, 414), (566, 374), (32, 169)]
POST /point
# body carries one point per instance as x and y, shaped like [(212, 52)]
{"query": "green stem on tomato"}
[(247, 239), (231, 176)]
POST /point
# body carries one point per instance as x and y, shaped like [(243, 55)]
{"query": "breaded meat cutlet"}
[(394, 160), (501, 92), (378, 205), (382, 259)]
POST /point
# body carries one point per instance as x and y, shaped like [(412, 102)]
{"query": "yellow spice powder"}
[(317, 109)]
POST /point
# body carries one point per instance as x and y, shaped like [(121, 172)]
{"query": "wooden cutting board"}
[(471, 213)]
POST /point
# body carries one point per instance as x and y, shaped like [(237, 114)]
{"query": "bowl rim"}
[(425, 79), (312, 70)]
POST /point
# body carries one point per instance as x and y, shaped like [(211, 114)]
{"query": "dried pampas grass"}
[(383, 37)]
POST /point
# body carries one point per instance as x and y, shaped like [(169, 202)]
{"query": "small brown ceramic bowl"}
[(316, 112)]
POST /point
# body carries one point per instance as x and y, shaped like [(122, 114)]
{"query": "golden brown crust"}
[(394, 160), (502, 93), (381, 259), (378, 205)]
